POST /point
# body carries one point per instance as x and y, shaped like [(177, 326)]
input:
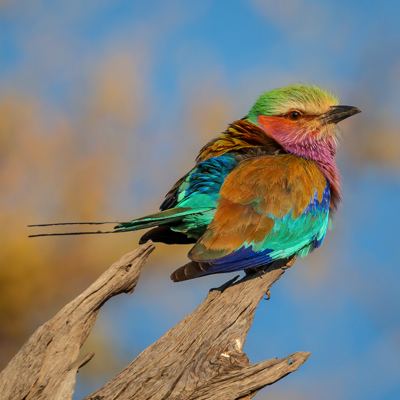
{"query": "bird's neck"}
[(320, 150)]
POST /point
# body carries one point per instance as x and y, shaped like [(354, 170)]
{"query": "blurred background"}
[(105, 104)]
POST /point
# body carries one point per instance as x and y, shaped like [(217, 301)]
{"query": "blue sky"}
[(340, 303)]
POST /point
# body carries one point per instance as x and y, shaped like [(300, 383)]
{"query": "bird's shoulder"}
[(200, 187), (242, 140), (283, 182)]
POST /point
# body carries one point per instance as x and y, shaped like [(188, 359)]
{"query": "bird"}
[(265, 189)]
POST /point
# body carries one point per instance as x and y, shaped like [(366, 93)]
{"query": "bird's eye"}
[(294, 115)]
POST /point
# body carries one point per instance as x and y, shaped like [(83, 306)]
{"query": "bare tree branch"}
[(200, 358), (45, 367)]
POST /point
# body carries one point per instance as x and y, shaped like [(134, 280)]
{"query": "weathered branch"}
[(200, 358), (45, 367)]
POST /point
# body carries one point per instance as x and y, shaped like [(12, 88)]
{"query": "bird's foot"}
[(290, 263), (268, 294)]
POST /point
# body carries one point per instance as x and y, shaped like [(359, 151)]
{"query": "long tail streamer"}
[(76, 233), (75, 223), (79, 233)]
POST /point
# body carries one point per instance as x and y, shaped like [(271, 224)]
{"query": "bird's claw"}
[(289, 263), (268, 294)]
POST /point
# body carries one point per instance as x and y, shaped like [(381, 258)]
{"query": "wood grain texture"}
[(46, 366), (202, 356)]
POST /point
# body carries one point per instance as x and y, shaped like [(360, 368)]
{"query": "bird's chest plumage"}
[(269, 207)]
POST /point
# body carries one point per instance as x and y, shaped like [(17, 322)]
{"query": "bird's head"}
[(302, 118)]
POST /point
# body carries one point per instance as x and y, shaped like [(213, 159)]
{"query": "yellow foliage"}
[(58, 171)]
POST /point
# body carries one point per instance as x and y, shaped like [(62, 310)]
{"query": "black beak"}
[(338, 113)]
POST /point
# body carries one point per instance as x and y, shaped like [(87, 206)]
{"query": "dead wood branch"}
[(200, 358), (45, 367)]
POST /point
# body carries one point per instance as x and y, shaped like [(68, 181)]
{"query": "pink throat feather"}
[(320, 150)]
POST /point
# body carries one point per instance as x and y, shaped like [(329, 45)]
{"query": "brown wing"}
[(254, 196)]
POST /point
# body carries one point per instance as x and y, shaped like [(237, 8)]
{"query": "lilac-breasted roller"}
[(265, 189)]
